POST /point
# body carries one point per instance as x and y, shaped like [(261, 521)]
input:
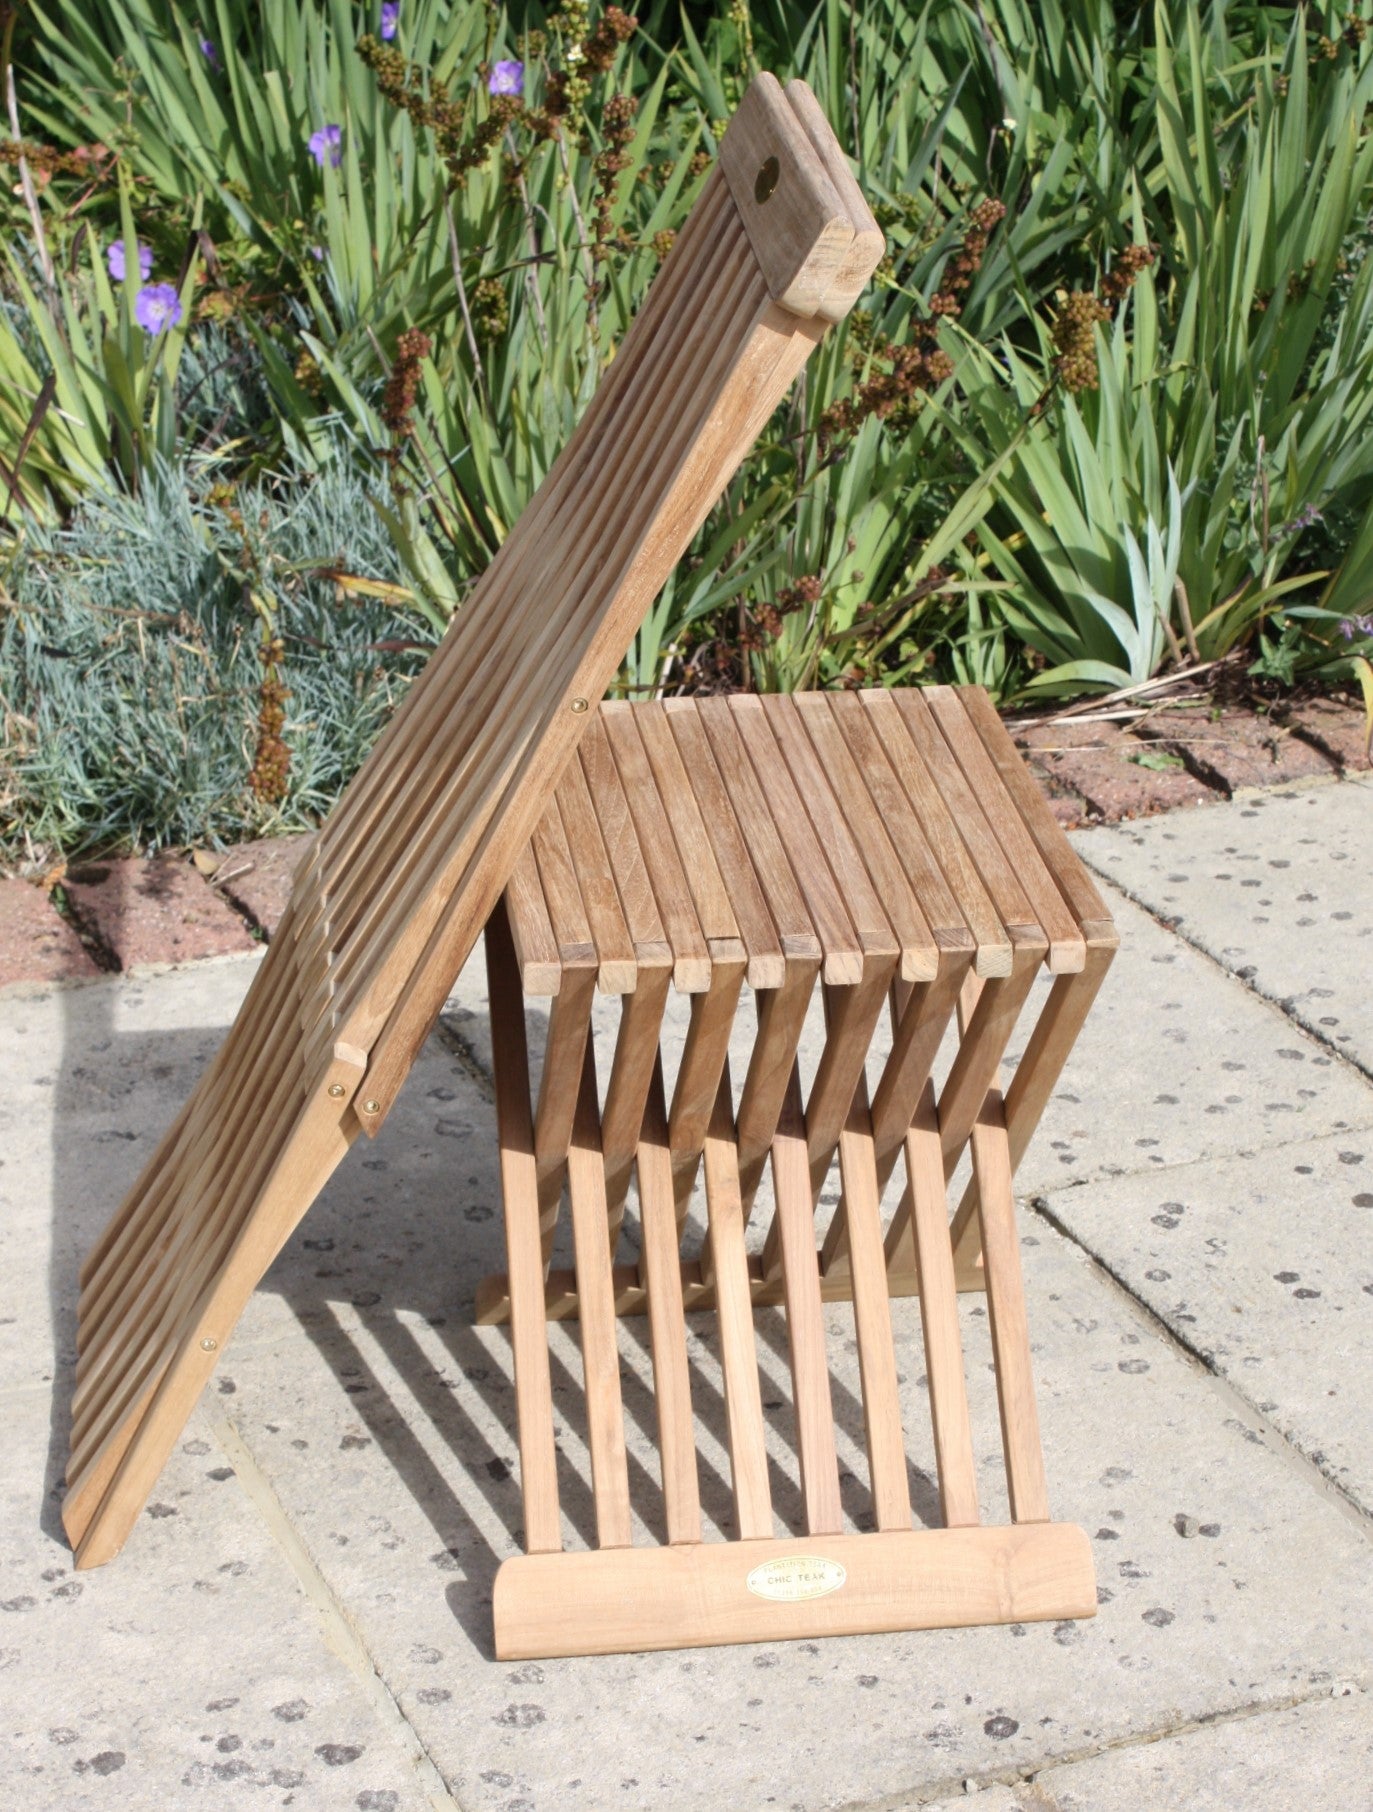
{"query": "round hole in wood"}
[(766, 180)]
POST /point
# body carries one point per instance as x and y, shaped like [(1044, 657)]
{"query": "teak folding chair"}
[(891, 847)]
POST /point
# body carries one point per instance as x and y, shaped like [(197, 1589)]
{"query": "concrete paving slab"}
[(89, 1078), (1318, 1753), (1263, 1266), (200, 1675), (1177, 1061), (385, 1434), (1277, 890)]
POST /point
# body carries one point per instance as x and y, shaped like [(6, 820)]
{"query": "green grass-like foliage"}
[(1105, 408), (130, 643)]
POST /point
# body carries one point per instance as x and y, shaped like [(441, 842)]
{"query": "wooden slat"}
[(682, 816), (796, 931), (980, 1051), (924, 1239), (523, 1243), (810, 1378), (600, 1354), (562, 895), (671, 892), (536, 948), (905, 1579), (651, 948), (869, 911), (851, 1015), (891, 1500), (1067, 949), (734, 1311), (781, 1020), (617, 971), (667, 1323), (846, 948), (1006, 1312), (1046, 1051), (1060, 858), (766, 963), (918, 1034), (920, 823), (935, 760), (569, 1036), (863, 778), (698, 1075), (626, 1094)]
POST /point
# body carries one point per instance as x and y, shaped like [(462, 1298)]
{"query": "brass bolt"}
[(579, 705), (766, 180), (209, 1344), (371, 1107), (336, 1090)]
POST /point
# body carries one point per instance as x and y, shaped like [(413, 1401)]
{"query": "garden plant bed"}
[(128, 912)]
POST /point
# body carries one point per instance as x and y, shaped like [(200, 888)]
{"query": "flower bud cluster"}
[(1074, 330), (271, 759), (402, 387)]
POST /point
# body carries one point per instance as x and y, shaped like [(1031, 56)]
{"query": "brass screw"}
[(579, 705), (335, 1090), (209, 1345), (371, 1107), (766, 180)]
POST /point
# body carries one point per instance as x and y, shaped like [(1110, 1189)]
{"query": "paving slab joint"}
[(1027, 1781), (1272, 1437), (338, 1628), (468, 1061), (1244, 978)]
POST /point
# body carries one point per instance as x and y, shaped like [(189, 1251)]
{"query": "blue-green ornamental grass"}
[(1105, 412)]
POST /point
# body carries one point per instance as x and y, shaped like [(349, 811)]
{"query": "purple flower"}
[(390, 18), (317, 253), (158, 306), (210, 54), (506, 78), (1352, 626), (327, 143), (114, 257)]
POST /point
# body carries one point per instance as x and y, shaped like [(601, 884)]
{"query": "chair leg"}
[(1006, 1312), (524, 1243)]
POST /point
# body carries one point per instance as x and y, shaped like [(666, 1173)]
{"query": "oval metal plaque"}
[(796, 1577)]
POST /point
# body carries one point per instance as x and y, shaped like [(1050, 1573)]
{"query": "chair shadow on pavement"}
[(114, 1093), (381, 1276)]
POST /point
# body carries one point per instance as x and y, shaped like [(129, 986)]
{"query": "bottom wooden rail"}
[(631, 1294), (621, 1600)]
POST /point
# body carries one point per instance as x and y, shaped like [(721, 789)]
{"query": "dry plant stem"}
[(583, 242), (531, 276), (468, 329), (31, 198), (1185, 610)]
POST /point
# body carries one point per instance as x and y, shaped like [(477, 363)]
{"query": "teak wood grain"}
[(399, 882)]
